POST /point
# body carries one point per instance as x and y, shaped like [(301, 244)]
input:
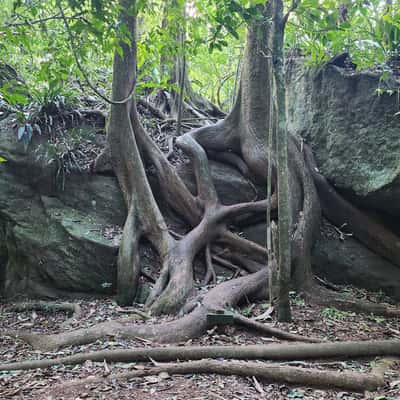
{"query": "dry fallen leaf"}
[(164, 375)]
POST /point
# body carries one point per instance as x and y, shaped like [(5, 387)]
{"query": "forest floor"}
[(51, 383)]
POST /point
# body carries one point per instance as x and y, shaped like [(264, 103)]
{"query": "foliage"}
[(43, 49), (46, 106), (64, 152), (334, 313), (368, 30), (296, 299)]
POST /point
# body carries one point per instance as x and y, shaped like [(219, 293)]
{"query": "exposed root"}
[(272, 352), (72, 309), (154, 110), (349, 381), (271, 331), (239, 140), (210, 275), (324, 297), (339, 211), (191, 325)]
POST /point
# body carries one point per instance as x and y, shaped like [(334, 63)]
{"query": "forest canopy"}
[(44, 48)]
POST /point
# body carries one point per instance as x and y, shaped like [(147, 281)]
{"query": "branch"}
[(246, 247), (84, 74), (295, 4), (41, 20), (271, 331)]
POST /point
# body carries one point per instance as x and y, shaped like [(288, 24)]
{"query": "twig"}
[(141, 314), (170, 147), (152, 109), (40, 20), (73, 309), (295, 4)]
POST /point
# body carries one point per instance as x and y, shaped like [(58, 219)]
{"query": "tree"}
[(144, 217), (239, 139), (180, 99), (279, 93)]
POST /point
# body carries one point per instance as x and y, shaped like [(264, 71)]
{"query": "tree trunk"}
[(284, 259)]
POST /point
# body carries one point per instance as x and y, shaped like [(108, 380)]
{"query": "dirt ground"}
[(51, 383)]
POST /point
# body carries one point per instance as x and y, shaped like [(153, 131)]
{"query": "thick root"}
[(271, 331), (276, 352), (340, 212), (324, 297), (349, 381), (72, 309), (191, 325)]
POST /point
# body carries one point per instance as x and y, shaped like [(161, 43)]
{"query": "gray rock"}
[(256, 233), (346, 262), (230, 184), (350, 262), (353, 130), (52, 241)]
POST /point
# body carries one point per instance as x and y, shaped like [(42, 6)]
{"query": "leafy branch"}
[(42, 20), (82, 70)]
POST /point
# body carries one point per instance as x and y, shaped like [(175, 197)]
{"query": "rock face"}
[(56, 242), (346, 262), (352, 121), (230, 185), (52, 241), (350, 262)]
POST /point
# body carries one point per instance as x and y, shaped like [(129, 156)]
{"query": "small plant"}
[(52, 99), (377, 319), (296, 299), (64, 151), (334, 313), (247, 311)]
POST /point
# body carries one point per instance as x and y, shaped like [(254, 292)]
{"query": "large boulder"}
[(344, 262), (59, 240), (352, 121), (229, 183), (54, 241), (349, 262)]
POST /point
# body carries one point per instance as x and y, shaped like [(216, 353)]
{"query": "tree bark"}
[(284, 223), (271, 352)]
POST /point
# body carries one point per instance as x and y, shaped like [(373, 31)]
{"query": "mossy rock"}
[(352, 122)]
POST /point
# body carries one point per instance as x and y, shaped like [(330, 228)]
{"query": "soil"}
[(326, 323)]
